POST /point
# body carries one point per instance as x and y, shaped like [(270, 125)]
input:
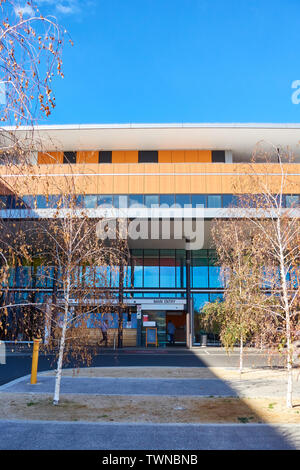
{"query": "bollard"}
[(35, 358)]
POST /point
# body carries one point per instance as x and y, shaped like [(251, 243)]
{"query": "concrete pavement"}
[(18, 363), (154, 386), (42, 435)]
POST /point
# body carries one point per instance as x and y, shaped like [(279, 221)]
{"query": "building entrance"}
[(178, 318), (160, 319)]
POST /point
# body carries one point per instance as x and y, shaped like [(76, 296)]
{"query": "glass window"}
[(79, 200), (199, 300), (148, 156), (53, 201), (41, 202), (292, 200), (167, 268), (151, 268), (137, 267), (167, 199), (127, 277), (136, 200), (215, 275), (114, 276), (23, 276), (151, 200), (180, 269), (3, 202), (198, 199), (214, 200), (216, 297), (120, 201), (199, 269), (11, 202), (90, 201), (104, 200), (44, 276), (230, 200), (182, 199), (29, 202)]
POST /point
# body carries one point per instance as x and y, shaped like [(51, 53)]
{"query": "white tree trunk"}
[(241, 354), (60, 362), (48, 312), (289, 393)]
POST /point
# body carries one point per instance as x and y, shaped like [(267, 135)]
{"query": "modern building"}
[(136, 167)]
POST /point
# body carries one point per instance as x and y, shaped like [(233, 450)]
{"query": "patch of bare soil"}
[(147, 409)]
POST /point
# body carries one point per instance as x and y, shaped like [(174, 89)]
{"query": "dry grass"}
[(147, 409)]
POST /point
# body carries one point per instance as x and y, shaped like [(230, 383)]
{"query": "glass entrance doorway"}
[(161, 319)]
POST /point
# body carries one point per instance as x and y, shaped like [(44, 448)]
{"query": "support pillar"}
[(189, 303)]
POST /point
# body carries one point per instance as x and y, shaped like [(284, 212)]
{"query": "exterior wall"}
[(147, 178)]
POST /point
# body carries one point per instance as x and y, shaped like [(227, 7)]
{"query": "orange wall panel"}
[(164, 156), (131, 156), (177, 156), (118, 156), (50, 157), (87, 157), (204, 156), (191, 156)]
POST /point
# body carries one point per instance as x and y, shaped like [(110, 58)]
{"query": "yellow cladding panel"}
[(214, 181), (166, 182), (131, 156), (136, 183), (198, 181), (87, 157), (228, 184), (182, 178), (151, 182), (120, 181), (50, 157), (164, 156), (118, 156)]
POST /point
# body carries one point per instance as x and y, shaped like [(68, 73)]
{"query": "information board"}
[(151, 336)]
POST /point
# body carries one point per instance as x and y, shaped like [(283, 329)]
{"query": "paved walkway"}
[(145, 386), (41, 435)]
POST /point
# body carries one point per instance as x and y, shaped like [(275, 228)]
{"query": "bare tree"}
[(239, 258), (30, 54), (277, 232), (80, 266)]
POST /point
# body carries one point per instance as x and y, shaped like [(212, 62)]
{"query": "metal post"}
[(35, 358), (120, 308), (188, 299)]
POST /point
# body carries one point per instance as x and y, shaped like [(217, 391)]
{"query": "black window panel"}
[(148, 156), (69, 157), (105, 156), (218, 156)]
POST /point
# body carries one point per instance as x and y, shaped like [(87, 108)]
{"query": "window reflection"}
[(167, 268), (151, 268)]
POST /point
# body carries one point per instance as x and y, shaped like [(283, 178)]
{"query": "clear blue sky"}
[(178, 61)]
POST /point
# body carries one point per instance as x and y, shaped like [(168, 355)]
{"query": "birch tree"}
[(277, 236), (30, 56), (82, 268), (236, 245)]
